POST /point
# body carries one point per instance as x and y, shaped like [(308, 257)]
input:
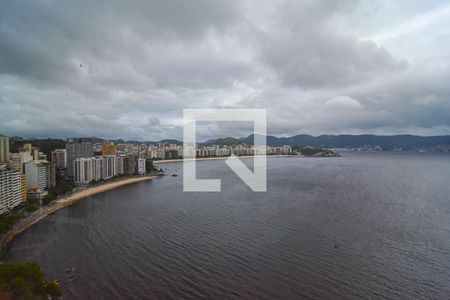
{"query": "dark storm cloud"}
[(127, 69), (305, 49)]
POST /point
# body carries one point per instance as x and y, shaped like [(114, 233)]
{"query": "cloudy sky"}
[(126, 69)]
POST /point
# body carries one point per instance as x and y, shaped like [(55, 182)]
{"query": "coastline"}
[(40, 214), (163, 161)]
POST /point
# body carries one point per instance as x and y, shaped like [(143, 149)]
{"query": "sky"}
[(127, 69)]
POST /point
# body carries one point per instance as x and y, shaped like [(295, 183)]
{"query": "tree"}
[(26, 281), (48, 198)]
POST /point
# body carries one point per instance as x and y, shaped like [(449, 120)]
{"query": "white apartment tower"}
[(10, 190), (83, 170), (94, 168), (37, 174), (141, 166)]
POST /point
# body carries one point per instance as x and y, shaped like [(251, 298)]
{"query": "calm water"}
[(362, 226)]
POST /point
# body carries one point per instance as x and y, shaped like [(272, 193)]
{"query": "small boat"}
[(174, 175), (70, 272)]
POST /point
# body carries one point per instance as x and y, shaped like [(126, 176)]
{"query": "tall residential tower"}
[(4, 148), (78, 148)]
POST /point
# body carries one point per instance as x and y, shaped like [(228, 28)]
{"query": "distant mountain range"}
[(387, 142)]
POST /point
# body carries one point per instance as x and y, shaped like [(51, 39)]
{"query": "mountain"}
[(229, 141), (387, 142), (45, 145)]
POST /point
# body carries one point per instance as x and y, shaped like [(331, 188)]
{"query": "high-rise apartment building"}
[(52, 175), (141, 166), (10, 190), (23, 187), (130, 165), (35, 153), (83, 170), (59, 158), (18, 159), (78, 148), (38, 174), (120, 165), (4, 148), (16, 162), (108, 167), (94, 168)]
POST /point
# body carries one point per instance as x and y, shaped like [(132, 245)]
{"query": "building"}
[(130, 165), (108, 148), (286, 149), (35, 153), (141, 166), (23, 187), (94, 168), (42, 156), (38, 174), (108, 167), (10, 190), (4, 148), (149, 167), (18, 159), (16, 162), (27, 148), (78, 148), (120, 169), (36, 194), (59, 158), (52, 175), (83, 170)]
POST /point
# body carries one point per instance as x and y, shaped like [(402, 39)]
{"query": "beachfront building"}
[(38, 174), (141, 166), (36, 194), (10, 189), (83, 170), (108, 166), (59, 158), (130, 165), (94, 168), (285, 149), (120, 165), (78, 148)]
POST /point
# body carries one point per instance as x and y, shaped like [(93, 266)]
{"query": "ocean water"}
[(366, 225)]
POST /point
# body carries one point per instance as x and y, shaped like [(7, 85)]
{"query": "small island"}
[(318, 152)]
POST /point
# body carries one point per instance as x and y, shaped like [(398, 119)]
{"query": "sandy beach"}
[(38, 215)]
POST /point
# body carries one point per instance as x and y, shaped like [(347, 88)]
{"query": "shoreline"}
[(40, 214), (163, 161)]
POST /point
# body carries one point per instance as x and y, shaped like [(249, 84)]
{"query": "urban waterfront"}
[(365, 225)]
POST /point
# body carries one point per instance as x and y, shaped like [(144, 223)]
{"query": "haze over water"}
[(367, 225)]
